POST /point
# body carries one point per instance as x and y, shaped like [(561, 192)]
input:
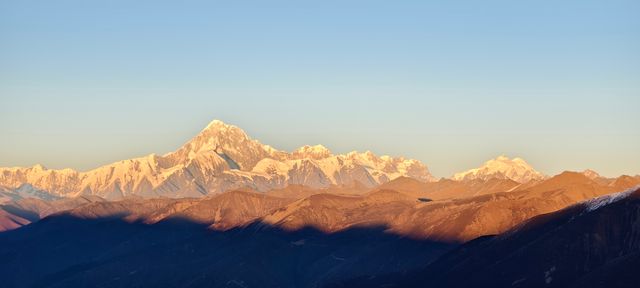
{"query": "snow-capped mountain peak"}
[(215, 124), (229, 142), (502, 167)]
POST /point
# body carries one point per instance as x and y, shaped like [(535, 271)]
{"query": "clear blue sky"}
[(451, 83)]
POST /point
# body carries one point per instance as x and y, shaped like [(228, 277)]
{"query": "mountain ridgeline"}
[(220, 158)]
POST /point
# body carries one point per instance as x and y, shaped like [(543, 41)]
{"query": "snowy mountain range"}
[(221, 157)]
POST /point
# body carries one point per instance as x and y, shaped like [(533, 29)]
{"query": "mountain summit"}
[(502, 167), (221, 157), (229, 142)]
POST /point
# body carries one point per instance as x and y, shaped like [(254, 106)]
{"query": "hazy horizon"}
[(449, 84)]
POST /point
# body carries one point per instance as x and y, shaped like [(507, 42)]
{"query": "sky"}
[(450, 83)]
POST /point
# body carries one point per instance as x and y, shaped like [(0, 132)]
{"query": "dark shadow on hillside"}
[(22, 213), (65, 251)]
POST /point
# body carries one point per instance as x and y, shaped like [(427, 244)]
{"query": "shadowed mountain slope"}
[(110, 252)]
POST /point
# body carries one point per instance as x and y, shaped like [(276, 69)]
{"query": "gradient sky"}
[(450, 83)]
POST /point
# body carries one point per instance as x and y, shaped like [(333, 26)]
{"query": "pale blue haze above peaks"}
[(450, 83)]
